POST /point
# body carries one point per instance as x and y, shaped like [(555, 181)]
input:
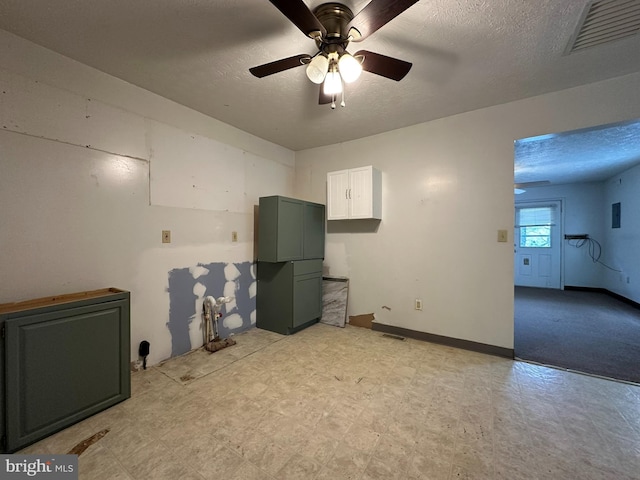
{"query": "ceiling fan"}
[(332, 26), (519, 188)]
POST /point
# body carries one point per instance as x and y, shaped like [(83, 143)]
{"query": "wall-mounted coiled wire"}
[(595, 250)]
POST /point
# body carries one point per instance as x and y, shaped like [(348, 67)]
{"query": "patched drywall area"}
[(214, 177), (189, 286)]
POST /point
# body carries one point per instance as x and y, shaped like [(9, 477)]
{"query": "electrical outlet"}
[(166, 236), (418, 304), (234, 236)]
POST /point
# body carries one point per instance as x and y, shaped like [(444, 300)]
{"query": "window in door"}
[(535, 226), (535, 237)]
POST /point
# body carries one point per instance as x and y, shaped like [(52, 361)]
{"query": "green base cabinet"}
[(289, 296), (62, 359)]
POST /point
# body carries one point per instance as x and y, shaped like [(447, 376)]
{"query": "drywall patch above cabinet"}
[(354, 194), (193, 171)]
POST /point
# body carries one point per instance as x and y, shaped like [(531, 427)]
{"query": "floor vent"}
[(606, 21), (395, 337)]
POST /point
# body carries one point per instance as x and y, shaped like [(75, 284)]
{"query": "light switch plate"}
[(502, 236), (166, 236)]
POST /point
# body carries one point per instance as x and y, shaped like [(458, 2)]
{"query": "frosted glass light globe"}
[(317, 69), (332, 83), (350, 68)]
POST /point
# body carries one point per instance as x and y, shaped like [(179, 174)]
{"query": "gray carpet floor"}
[(589, 332)]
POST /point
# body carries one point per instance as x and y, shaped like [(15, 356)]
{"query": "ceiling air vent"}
[(605, 21)]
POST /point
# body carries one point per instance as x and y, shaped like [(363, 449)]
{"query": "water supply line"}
[(211, 312)]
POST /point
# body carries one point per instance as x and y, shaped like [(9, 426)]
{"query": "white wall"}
[(447, 189), (622, 245), (77, 153), (583, 213)]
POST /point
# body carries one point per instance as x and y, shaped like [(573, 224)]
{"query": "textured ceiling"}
[(466, 55), (587, 155)]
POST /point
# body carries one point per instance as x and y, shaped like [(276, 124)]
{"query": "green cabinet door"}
[(313, 237), (274, 299), (307, 298), (280, 229)]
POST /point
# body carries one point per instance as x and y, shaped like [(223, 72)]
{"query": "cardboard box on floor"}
[(363, 321)]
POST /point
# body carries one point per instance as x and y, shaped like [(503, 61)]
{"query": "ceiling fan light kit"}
[(318, 68), (332, 83), (350, 69), (332, 26)]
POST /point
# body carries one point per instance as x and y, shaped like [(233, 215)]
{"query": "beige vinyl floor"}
[(332, 403)]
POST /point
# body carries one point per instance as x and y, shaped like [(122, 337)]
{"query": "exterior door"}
[(537, 244)]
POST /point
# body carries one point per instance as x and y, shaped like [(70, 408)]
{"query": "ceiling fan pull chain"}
[(333, 101), (342, 104)]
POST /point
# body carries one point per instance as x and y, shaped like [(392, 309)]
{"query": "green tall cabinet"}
[(290, 251)]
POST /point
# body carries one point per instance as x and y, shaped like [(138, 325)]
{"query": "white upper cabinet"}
[(354, 194)]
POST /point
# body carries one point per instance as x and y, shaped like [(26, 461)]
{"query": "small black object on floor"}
[(143, 351)]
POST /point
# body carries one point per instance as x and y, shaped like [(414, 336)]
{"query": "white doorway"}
[(537, 244)]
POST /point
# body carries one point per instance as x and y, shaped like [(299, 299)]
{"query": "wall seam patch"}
[(87, 147)]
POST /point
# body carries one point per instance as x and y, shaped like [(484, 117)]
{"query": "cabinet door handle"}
[(349, 193), (346, 194)]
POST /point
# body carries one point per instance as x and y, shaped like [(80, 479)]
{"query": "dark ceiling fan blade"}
[(323, 98), (301, 17), (531, 184), (278, 66), (384, 66), (376, 14)]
